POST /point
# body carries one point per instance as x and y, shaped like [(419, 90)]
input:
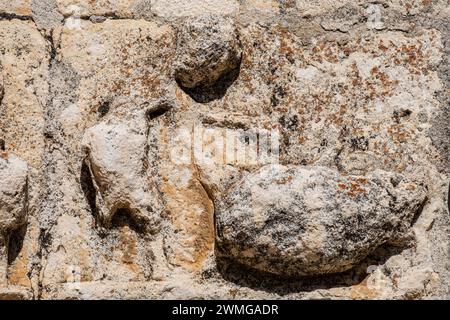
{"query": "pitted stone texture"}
[(87, 8), (410, 7), (208, 48), (129, 61), (294, 221), (13, 192), (124, 64), (315, 7), (341, 94), (25, 89), (116, 155), (262, 6), (141, 9), (16, 7), (45, 14), (357, 102), (13, 204), (414, 7), (170, 9), (343, 19), (180, 8)]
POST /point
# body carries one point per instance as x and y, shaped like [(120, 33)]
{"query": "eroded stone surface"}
[(352, 86), (25, 89), (14, 172), (24, 57), (208, 49), (129, 80), (86, 8), (45, 14), (16, 7), (313, 8), (13, 204), (295, 221)]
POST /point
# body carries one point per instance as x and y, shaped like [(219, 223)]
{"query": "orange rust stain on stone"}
[(342, 186), (362, 292), (285, 48), (191, 212), (399, 133), (382, 47), (353, 187), (129, 251), (18, 274)]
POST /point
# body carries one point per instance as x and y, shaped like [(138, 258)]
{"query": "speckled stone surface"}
[(225, 149)]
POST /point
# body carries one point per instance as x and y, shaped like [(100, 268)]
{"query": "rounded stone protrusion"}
[(294, 221), (13, 204), (208, 48), (115, 153)]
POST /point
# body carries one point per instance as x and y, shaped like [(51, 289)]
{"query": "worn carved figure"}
[(224, 149), (116, 156)]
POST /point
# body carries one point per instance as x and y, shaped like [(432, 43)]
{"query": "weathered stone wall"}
[(224, 149)]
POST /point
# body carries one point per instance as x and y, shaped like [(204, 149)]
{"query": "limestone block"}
[(13, 204), (295, 221)]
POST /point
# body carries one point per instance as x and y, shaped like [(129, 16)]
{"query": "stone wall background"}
[(93, 95)]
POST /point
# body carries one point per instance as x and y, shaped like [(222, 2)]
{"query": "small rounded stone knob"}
[(208, 48)]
